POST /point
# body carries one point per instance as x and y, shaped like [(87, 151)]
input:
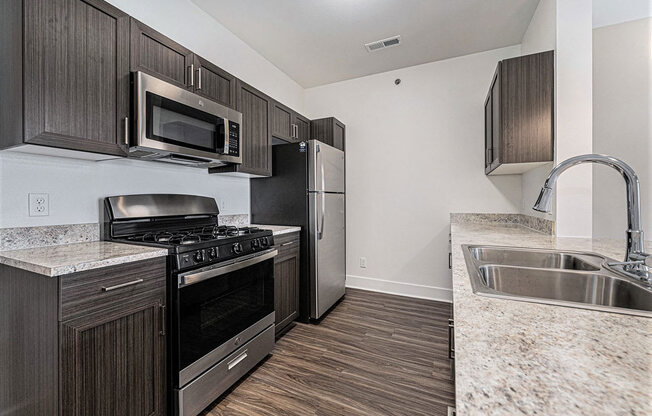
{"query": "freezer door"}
[(327, 251), (325, 167)]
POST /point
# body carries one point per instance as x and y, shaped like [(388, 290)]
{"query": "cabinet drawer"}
[(90, 291), (286, 243)]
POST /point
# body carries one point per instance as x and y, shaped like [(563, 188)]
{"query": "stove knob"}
[(255, 244), (212, 253), (264, 242), (237, 248), (199, 256)]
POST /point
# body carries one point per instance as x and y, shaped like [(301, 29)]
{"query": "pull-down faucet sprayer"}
[(636, 261)]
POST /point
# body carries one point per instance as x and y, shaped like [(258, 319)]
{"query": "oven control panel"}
[(222, 252)]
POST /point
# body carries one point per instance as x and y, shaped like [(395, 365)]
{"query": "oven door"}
[(174, 121), (219, 308)]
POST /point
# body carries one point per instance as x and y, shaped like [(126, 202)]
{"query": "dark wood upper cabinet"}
[(287, 271), (256, 109), (288, 125), (519, 115), (214, 83), (330, 131), (282, 122), (68, 70), (159, 56), (302, 128)]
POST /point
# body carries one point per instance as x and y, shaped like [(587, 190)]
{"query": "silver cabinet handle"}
[(287, 244), (451, 348), (237, 360), (127, 131), (163, 323), (192, 75), (199, 78), (110, 288)]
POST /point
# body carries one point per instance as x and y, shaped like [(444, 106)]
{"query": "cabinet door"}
[(495, 120), (282, 122), (115, 365), (339, 131), (302, 128), (256, 137), (76, 75), (157, 55), (488, 156), (322, 130), (286, 284), (214, 83)]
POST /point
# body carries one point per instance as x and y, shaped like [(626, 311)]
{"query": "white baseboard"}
[(398, 288)]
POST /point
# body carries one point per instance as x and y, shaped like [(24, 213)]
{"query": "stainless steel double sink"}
[(565, 278)]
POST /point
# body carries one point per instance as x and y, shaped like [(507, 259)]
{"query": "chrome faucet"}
[(637, 263)]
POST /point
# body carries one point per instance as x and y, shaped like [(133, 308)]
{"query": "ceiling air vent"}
[(383, 43)]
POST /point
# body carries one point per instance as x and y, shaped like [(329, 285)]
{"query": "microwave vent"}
[(383, 44)]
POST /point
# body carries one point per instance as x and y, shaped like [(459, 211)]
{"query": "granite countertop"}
[(526, 358), (64, 259), (279, 229)]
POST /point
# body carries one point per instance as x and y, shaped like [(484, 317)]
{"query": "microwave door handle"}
[(190, 278), (227, 135)]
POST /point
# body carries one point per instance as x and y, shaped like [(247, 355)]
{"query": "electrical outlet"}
[(363, 262), (39, 205), (222, 206)]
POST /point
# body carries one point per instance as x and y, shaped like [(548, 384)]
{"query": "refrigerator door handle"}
[(323, 178), (320, 233), (320, 229)]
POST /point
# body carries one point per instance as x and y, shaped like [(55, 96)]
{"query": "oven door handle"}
[(191, 278)]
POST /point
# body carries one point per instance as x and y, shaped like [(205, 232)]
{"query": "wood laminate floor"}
[(374, 354)]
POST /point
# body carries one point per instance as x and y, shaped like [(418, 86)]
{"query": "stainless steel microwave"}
[(177, 126)]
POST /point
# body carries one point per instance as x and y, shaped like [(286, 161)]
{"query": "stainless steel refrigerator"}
[(307, 189)]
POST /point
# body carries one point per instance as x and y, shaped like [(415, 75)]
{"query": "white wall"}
[(573, 115), (540, 36), (184, 22), (622, 126), (413, 157), (75, 186)]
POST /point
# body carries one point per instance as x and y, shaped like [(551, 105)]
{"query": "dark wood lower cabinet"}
[(286, 280), (70, 350), (114, 365)]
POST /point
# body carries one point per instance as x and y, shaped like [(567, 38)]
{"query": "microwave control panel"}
[(232, 143)]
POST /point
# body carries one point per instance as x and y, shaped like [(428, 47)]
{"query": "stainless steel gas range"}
[(220, 290)]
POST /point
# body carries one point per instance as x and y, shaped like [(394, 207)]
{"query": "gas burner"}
[(185, 239), (215, 231), (249, 230)]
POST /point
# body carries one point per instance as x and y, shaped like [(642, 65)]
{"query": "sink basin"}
[(564, 278), (588, 288), (537, 258)]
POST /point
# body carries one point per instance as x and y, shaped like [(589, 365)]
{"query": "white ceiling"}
[(318, 42), (611, 12)]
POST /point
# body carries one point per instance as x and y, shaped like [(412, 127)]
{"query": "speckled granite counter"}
[(279, 229), (70, 258), (516, 358)]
